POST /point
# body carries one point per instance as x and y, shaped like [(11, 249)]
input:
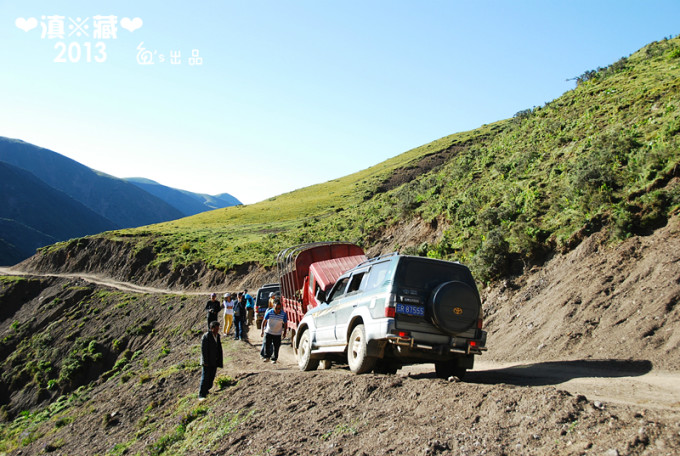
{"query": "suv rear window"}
[(417, 273), (378, 274)]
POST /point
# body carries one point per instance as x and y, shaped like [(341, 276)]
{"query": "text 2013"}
[(75, 52)]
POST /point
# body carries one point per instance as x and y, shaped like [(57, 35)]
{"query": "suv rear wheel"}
[(448, 369), (304, 354), (385, 367), (357, 352)]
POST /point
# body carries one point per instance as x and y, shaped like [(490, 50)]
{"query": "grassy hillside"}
[(603, 155)]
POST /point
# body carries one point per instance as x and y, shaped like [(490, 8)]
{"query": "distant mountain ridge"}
[(121, 202), (46, 197), (33, 214), (188, 203)]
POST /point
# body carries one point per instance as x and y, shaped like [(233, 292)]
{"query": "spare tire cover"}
[(454, 307)]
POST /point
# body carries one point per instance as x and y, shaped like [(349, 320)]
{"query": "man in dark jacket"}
[(213, 308), (211, 358)]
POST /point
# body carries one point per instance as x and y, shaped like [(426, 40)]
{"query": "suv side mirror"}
[(320, 295)]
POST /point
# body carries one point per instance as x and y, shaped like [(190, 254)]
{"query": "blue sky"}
[(290, 93)]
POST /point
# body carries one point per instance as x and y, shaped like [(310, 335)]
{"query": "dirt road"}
[(619, 382), (614, 381), (99, 280)]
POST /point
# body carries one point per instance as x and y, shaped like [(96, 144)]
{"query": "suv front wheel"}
[(357, 352)]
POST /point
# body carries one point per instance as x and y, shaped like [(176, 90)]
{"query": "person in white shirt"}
[(228, 313)]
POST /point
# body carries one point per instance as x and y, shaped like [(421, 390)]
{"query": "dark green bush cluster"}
[(85, 353), (616, 67), (523, 114), (492, 259)]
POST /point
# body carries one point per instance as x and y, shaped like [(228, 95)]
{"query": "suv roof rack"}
[(379, 257)]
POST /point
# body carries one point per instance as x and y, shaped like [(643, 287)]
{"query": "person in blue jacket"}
[(274, 326), (250, 307)]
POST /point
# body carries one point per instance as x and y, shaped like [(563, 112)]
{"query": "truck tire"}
[(454, 307), (292, 341), (357, 352), (326, 364), (449, 369), (304, 354)]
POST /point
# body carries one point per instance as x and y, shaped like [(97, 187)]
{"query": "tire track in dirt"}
[(616, 382)]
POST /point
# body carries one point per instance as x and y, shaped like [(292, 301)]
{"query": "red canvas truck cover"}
[(306, 269)]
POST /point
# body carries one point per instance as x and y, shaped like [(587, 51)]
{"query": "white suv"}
[(396, 310)]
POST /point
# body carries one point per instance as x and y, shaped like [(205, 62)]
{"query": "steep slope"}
[(122, 369), (188, 203), (123, 203), (33, 214)]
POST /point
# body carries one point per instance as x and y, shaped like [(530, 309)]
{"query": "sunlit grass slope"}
[(602, 156), (239, 234)]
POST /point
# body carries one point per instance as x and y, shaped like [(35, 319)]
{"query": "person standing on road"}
[(239, 317), (211, 358), (213, 308), (250, 307), (274, 327), (228, 313)]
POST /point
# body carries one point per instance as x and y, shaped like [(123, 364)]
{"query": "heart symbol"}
[(131, 24), (26, 24)]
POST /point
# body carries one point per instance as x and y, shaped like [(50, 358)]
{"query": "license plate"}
[(408, 309)]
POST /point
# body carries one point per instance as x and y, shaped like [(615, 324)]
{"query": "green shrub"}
[(492, 260), (225, 382), (84, 353)]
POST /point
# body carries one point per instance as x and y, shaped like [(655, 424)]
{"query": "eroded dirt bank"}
[(124, 262)]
